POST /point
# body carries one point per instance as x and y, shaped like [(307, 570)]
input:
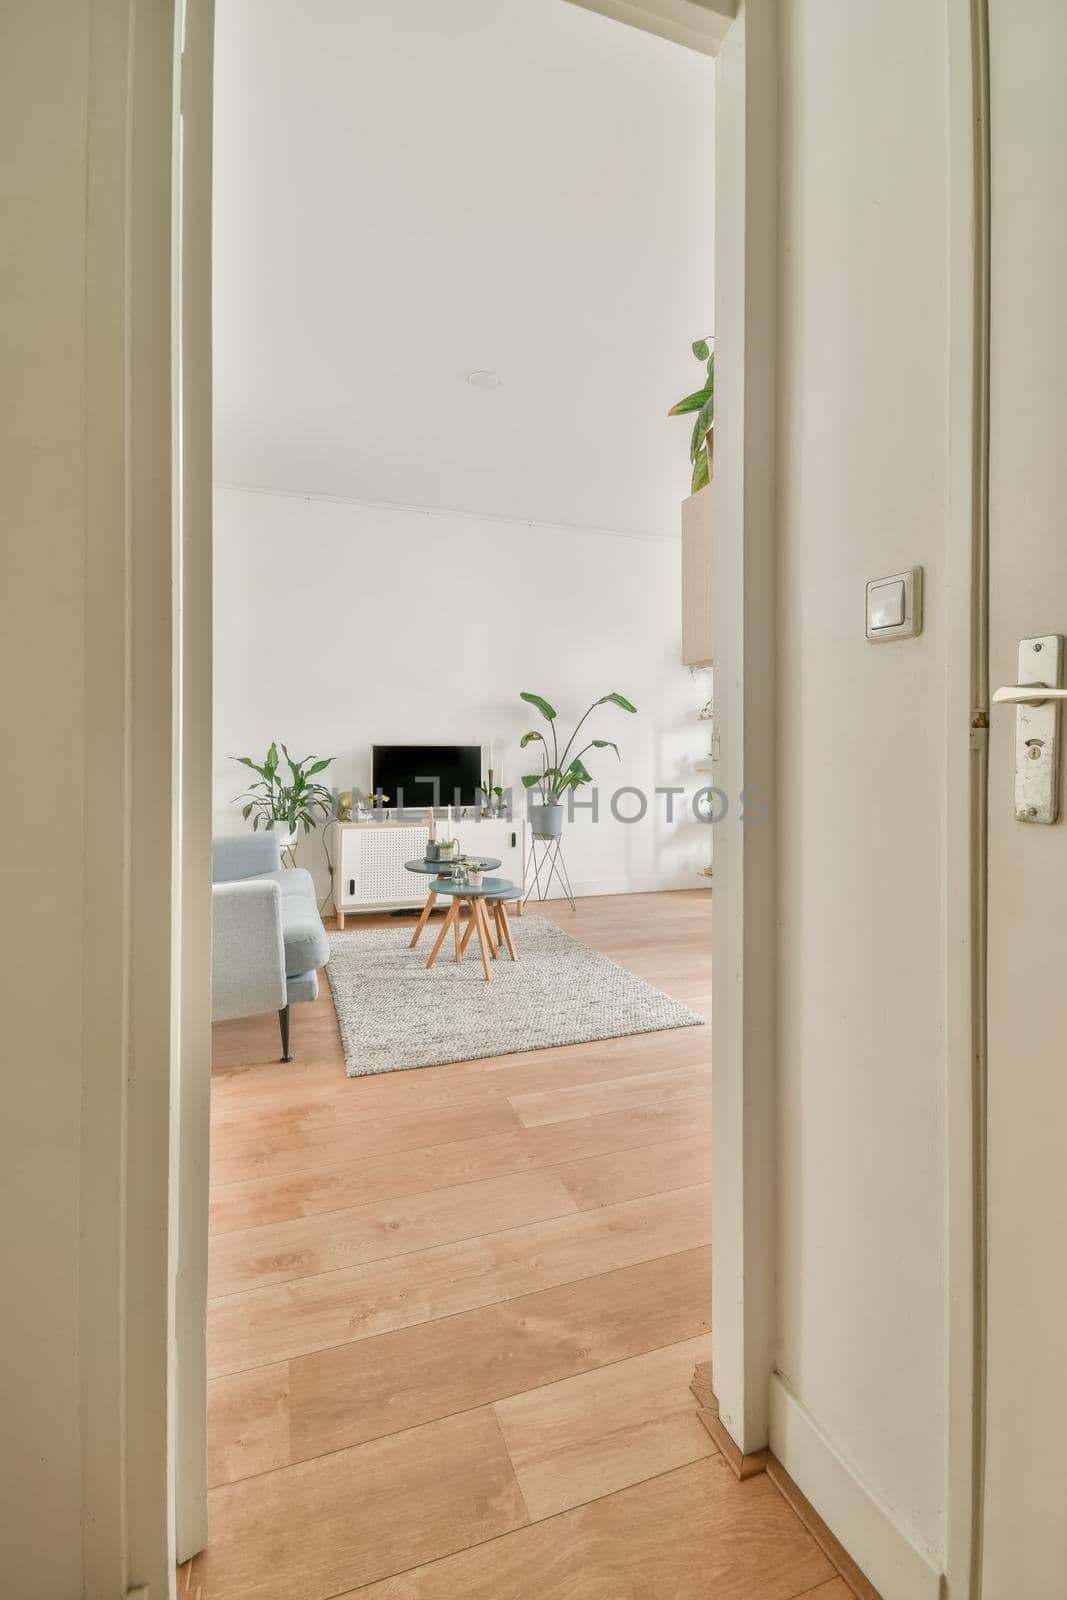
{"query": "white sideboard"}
[(369, 872)]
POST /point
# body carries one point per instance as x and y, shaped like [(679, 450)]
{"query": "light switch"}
[(894, 606), (885, 604)]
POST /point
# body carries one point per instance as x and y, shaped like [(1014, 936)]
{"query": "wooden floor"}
[(456, 1311)]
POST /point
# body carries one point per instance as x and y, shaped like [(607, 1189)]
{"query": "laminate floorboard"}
[(456, 1310)]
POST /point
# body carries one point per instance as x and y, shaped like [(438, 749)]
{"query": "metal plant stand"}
[(551, 864)]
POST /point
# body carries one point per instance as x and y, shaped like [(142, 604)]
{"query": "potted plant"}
[(447, 849), (702, 401), (560, 774), (286, 800), (697, 643), (474, 873), (492, 798)]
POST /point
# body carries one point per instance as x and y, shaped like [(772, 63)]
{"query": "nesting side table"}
[(436, 869)]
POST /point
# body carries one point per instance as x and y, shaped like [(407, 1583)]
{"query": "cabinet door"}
[(372, 866), (502, 839)]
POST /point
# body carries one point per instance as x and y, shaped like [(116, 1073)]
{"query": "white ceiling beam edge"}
[(698, 24)]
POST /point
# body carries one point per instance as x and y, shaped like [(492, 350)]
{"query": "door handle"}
[(1027, 694), (1037, 701)]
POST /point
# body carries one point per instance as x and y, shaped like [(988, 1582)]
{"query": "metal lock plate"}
[(1037, 733)]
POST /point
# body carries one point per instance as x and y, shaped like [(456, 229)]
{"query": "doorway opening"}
[(463, 269)]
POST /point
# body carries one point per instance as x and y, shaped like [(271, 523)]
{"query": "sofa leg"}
[(283, 1023)]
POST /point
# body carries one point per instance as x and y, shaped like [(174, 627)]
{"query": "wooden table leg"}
[(487, 924), (504, 925), (427, 908), (472, 925), (483, 935), (453, 913), (456, 935)]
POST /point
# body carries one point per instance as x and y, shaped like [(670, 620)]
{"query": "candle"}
[(450, 819), (490, 754)]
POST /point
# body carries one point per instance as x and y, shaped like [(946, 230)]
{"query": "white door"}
[(1025, 1497)]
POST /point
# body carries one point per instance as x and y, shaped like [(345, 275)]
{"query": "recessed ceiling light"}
[(483, 380)]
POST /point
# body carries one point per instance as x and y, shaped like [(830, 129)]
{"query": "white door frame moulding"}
[(193, 559), (133, 833), (744, 566), (967, 680), (744, 1034), (744, 562), (698, 24)]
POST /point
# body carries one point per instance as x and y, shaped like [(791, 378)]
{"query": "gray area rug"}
[(394, 1014)]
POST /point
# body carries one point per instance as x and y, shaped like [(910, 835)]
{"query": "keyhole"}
[(1034, 748)]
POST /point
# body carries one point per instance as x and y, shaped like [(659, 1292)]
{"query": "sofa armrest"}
[(244, 855), (247, 956)]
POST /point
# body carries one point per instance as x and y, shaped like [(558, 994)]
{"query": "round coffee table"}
[(491, 894), (437, 869)]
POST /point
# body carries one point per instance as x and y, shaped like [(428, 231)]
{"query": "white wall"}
[(407, 190), (862, 492), (340, 625)]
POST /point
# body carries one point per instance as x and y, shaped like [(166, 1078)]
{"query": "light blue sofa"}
[(269, 941)]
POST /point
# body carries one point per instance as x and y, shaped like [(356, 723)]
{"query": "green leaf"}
[(706, 415), (547, 711), (320, 766), (692, 402), (607, 744), (247, 812), (700, 349), (246, 761), (271, 763), (527, 737), (705, 418), (530, 778), (616, 700), (701, 472)]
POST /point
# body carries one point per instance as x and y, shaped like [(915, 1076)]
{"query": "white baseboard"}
[(865, 1526), (642, 885)]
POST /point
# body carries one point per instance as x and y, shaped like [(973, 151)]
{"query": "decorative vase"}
[(447, 852), (285, 835), (546, 821), (474, 878)]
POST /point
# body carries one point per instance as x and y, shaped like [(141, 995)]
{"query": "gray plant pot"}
[(546, 821)]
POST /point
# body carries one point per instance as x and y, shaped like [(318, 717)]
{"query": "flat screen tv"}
[(420, 775)]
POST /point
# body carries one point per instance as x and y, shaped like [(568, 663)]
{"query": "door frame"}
[(130, 820), (744, 570), (146, 811), (965, 822), (133, 1507), (194, 668)]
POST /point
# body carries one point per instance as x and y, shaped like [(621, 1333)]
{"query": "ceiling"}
[(407, 192)]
